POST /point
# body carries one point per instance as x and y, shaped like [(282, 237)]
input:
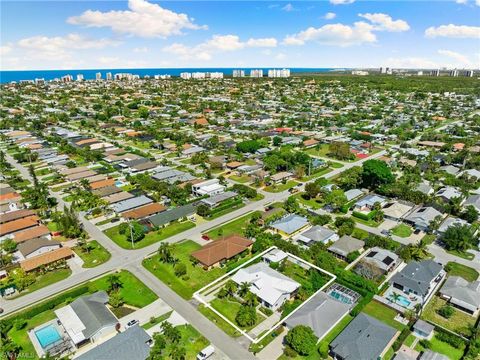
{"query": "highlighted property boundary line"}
[(197, 295)]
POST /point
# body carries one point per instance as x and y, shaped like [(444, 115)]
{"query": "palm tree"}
[(419, 250), (250, 299), (114, 283), (243, 289), (230, 288), (165, 253), (395, 297)]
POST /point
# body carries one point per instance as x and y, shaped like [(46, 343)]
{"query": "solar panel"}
[(388, 260)]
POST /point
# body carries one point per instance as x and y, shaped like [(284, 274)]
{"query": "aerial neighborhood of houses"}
[(305, 217)]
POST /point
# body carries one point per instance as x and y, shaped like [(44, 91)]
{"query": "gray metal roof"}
[(28, 247), (423, 326), (462, 291), (132, 344), (364, 338), (131, 203), (215, 199), (430, 355), (417, 275), (290, 223), (172, 215), (320, 313), (93, 312), (316, 233), (345, 245)]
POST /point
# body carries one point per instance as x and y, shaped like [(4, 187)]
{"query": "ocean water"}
[(89, 74)]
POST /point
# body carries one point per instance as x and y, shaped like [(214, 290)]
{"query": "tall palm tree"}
[(243, 289), (114, 283), (395, 297), (250, 299)]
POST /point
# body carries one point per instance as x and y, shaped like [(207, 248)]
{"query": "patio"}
[(407, 301), (61, 347)]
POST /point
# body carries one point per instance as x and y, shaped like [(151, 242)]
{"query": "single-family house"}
[(346, 245), (281, 176), (88, 319), (289, 225), (473, 200), (133, 343), (383, 259), (316, 234), (423, 329), (271, 287), (46, 258), (213, 254), (462, 294), (37, 246), (418, 277), (367, 203), (321, 313), (448, 193), (208, 187), (132, 203), (364, 338), (421, 217)]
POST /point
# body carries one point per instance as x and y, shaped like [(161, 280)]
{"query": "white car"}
[(206, 353), (132, 323)]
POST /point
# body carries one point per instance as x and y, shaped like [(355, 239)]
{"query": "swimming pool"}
[(341, 297), (118, 183), (47, 335), (402, 301)]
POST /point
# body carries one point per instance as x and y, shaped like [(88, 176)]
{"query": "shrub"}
[(446, 311), (289, 352), (450, 339), (400, 339), (302, 339), (180, 269), (20, 324)]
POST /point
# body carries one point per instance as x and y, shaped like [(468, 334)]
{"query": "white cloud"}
[(61, 46), (453, 31), (477, 2), (143, 19), (280, 56), (335, 34), (461, 60), (463, 2), (330, 16), (342, 2), (218, 43), (385, 22), (289, 7)]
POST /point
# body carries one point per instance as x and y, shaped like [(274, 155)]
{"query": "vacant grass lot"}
[(233, 227), (44, 280), (241, 179), (455, 269), (151, 238), (196, 276), (459, 322), (312, 203), (96, 256), (402, 230), (217, 320), (383, 313), (281, 187), (443, 348)]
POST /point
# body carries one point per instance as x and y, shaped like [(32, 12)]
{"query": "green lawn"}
[(459, 322), (359, 234), (192, 340), (312, 203), (150, 238), (443, 348), (226, 211), (217, 320), (233, 227), (462, 254), (402, 231), (383, 313), (157, 320), (197, 276), (455, 269), (226, 307), (370, 223), (97, 255), (240, 179), (410, 340), (316, 174), (52, 226), (46, 279), (281, 187), (134, 292), (389, 354)]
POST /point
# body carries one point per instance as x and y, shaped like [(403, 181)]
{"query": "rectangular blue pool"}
[(47, 336)]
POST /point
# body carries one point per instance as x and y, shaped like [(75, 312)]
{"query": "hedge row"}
[(49, 304), (401, 339), (366, 217), (226, 205)]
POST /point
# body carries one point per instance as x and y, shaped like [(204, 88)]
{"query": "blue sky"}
[(329, 33)]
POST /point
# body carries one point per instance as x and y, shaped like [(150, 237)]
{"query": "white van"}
[(206, 353)]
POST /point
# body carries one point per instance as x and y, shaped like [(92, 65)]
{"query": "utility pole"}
[(131, 233)]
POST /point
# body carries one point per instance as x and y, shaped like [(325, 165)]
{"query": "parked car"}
[(206, 353), (132, 323), (385, 232), (205, 237)]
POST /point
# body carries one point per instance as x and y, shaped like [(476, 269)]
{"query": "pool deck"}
[(413, 299), (36, 344)]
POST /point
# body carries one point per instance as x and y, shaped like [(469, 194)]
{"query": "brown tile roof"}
[(86, 141), (69, 171), (20, 224), (111, 199), (80, 175), (102, 184), (234, 164), (15, 215), (144, 211), (9, 196), (221, 250), (46, 258), (310, 142), (32, 233)]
